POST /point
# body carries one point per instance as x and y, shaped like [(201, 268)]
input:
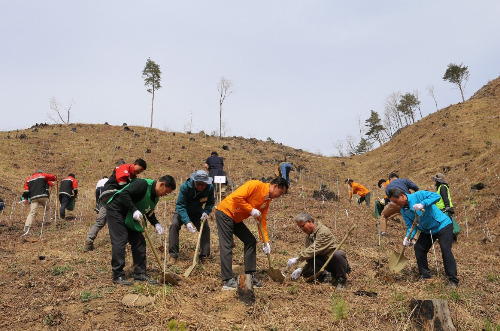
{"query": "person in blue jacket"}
[(433, 224), (194, 204)]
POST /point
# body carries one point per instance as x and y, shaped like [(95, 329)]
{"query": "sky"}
[(304, 73)]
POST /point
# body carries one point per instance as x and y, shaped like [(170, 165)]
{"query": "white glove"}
[(255, 213), (158, 228), (266, 248), (418, 206), (137, 216), (204, 216), (191, 227), (296, 273), (406, 242), (291, 262), (382, 201)]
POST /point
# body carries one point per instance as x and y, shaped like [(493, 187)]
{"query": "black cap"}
[(142, 163)]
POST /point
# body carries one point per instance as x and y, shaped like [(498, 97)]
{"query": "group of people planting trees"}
[(127, 203)]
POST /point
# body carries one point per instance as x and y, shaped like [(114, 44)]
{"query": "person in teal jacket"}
[(194, 203), (125, 212), (433, 224)]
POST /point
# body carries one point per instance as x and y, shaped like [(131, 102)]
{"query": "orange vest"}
[(358, 189), (239, 204)]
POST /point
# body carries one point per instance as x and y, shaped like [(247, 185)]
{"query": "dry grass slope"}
[(70, 289)]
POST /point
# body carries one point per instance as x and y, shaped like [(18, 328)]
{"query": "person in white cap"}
[(194, 204)]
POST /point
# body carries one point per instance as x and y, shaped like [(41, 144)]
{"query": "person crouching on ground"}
[(194, 204), (320, 243), (125, 215), (433, 224), (250, 199)]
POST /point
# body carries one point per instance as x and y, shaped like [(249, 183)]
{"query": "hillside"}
[(69, 289)]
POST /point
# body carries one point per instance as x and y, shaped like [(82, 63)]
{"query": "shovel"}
[(316, 275), (195, 257), (397, 261), (275, 274), (167, 277)]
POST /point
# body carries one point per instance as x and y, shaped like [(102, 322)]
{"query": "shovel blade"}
[(397, 261), (189, 270), (276, 275)]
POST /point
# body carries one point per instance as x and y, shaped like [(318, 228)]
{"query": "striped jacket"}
[(37, 186)]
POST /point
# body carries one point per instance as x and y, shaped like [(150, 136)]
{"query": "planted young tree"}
[(458, 75), (152, 80), (375, 128), (224, 87), (61, 111)]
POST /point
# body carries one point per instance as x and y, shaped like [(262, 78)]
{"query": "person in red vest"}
[(36, 190), (68, 191)]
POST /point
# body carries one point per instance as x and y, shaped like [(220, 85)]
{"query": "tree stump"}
[(245, 289), (431, 315)]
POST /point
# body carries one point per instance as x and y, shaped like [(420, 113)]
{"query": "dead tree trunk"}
[(431, 315)]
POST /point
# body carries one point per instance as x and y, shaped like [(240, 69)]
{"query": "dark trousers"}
[(120, 234), (64, 200), (423, 245), (366, 199), (173, 236), (337, 265), (226, 228), (98, 192)]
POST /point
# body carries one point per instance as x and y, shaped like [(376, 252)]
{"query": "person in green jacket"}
[(319, 244), (125, 212), (194, 204), (445, 204)]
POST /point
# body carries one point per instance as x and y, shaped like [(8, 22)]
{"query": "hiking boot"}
[(145, 278), (452, 284), (341, 283), (327, 277), (255, 282), (88, 246), (172, 260), (122, 281), (230, 284), (204, 259)]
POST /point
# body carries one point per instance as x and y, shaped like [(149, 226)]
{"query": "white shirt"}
[(101, 183)]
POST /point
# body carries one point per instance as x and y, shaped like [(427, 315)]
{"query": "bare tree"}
[(351, 144), (60, 110), (339, 146), (224, 87), (430, 91)]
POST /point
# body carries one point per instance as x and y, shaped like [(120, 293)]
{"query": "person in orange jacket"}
[(363, 192), (250, 199)]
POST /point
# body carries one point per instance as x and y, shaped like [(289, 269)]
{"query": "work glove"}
[(266, 248), (137, 216), (255, 213), (191, 227), (382, 201), (158, 228), (204, 216), (406, 242), (418, 206), (291, 262), (296, 273)]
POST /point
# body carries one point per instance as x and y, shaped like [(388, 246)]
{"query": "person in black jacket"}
[(68, 192), (36, 190), (125, 211)]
